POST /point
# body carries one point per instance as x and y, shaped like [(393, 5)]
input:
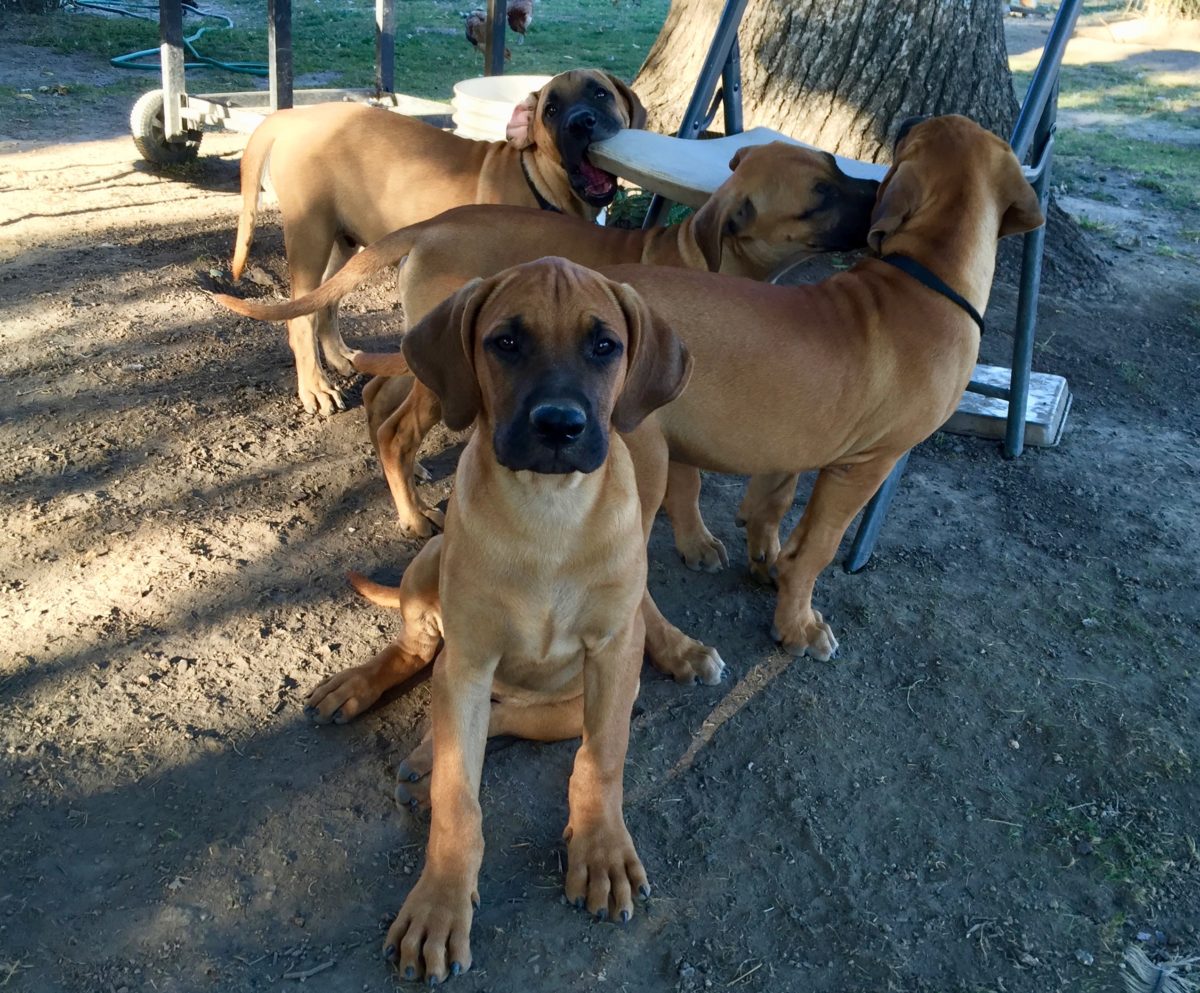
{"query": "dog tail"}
[(254, 162), (387, 251), (380, 363), (376, 593)]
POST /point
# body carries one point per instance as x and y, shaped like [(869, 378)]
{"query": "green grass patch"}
[(1114, 89), (1170, 172), (1112, 843), (432, 52)]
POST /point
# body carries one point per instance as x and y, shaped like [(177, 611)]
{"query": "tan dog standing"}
[(345, 175), (536, 584), (781, 201), (843, 376)]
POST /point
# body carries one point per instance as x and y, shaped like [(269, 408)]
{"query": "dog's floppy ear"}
[(633, 106), (721, 217), (658, 363), (1025, 212), (519, 130), (898, 199), (440, 351)]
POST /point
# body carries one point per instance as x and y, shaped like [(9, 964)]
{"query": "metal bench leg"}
[(1032, 248), (717, 66), (872, 519)]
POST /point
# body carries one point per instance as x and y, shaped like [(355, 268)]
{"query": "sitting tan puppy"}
[(780, 201), (536, 584), (842, 376), (345, 175)]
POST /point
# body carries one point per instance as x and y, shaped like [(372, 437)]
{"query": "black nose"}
[(582, 122), (558, 423)]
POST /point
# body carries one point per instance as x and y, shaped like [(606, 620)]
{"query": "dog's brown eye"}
[(605, 346), (826, 190), (604, 93), (551, 110), (506, 343)]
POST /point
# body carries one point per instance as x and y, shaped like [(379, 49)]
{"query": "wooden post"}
[(385, 46), (493, 48), (170, 33), (279, 46)]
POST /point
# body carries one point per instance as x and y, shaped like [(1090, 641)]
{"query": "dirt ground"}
[(993, 788)]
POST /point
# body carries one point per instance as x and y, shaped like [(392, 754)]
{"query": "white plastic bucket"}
[(483, 106)]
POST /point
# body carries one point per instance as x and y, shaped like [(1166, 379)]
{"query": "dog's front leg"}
[(431, 935), (767, 499), (699, 548), (603, 868), (840, 492)]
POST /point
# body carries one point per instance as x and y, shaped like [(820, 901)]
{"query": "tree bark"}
[(841, 74)]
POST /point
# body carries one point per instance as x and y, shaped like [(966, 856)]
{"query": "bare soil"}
[(993, 788)]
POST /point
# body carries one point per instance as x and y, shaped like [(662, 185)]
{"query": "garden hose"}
[(137, 60)]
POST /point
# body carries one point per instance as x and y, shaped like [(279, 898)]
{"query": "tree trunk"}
[(843, 74)]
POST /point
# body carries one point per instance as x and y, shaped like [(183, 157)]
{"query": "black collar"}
[(542, 202), (925, 277)]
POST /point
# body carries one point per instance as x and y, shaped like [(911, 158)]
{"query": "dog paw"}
[(702, 552), (604, 872), (342, 361), (412, 777), (421, 474), (762, 569), (814, 638), (425, 522), (688, 661), (431, 936), (321, 398), (345, 695)]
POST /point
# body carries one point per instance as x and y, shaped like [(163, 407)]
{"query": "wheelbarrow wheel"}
[(146, 123)]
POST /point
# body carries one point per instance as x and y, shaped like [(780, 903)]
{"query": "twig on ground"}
[(309, 973)]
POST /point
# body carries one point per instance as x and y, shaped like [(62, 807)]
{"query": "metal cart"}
[(166, 123)]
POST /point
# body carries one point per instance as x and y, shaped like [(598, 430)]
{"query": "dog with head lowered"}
[(842, 376), (779, 202), (533, 594), (345, 175)]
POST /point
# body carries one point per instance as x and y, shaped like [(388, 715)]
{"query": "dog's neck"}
[(548, 177), (539, 505), (962, 252)]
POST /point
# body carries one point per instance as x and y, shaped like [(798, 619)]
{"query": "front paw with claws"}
[(604, 872), (702, 552), (430, 937), (799, 637)]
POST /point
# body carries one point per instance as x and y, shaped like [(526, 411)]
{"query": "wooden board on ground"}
[(986, 417)]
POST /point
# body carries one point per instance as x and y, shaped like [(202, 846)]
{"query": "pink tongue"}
[(598, 181)]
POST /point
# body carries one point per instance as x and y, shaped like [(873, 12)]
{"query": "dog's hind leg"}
[(558, 721), (840, 493), (695, 543), (673, 653), (307, 254), (767, 499), (670, 651), (333, 347), (347, 694), (397, 440)]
